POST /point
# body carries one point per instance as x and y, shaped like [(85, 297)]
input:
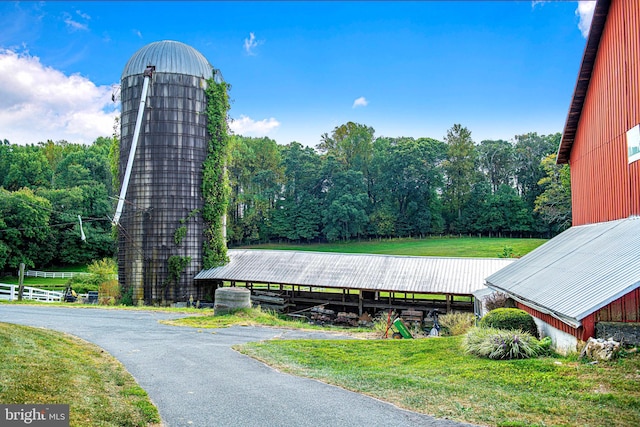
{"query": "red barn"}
[(591, 272)]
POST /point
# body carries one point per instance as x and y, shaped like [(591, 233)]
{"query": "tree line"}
[(43, 189), (356, 185), (351, 185)]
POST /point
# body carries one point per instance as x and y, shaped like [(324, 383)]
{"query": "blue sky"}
[(298, 69)]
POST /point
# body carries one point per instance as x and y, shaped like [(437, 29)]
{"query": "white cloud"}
[(137, 33), (248, 127), (82, 15), (250, 44), (360, 102), (76, 25), (585, 12), (38, 103)]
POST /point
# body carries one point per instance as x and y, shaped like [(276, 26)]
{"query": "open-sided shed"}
[(360, 282)]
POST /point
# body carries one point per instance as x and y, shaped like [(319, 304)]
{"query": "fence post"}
[(21, 281)]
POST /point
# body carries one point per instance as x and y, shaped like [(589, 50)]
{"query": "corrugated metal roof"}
[(577, 272), (459, 276), (169, 57)]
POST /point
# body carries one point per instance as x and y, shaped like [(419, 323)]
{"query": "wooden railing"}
[(10, 292)]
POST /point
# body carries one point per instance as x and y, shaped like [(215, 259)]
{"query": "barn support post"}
[(449, 298), (360, 298)]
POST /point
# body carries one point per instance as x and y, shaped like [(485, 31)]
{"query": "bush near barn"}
[(510, 319)]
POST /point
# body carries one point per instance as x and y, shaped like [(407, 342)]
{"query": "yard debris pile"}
[(600, 349), (321, 315)]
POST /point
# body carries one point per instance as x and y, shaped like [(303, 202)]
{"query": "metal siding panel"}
[(604, 186)]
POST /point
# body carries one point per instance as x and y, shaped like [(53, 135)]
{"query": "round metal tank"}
[(228, 300), (164, 192)]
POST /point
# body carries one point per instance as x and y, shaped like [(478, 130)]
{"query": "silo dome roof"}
[(168, 57)]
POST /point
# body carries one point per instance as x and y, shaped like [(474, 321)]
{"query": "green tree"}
[(24, 229), (26, 166), (345, 214), (497, 162), (554, 203), (406, 178), (460, 172), (256, 177), (505, 212), (298, 212), (530, 150), (351, 144)]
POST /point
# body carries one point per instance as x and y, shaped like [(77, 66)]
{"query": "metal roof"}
[(578, 272), (168, 57), (459, 276), (582, 83)]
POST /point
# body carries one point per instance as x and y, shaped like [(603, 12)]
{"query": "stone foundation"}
[(626, 333)]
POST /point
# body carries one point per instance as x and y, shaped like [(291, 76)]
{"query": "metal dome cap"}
[(168, 56)]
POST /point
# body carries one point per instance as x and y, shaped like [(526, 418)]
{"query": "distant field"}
[(52, 284), (466, 247)]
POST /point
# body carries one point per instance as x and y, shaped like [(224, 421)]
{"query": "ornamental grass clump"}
[(457, 323), (501, 344)]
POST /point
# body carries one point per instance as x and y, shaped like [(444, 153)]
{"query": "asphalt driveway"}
[(196, 379)]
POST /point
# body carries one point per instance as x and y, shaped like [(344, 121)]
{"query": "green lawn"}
[(51, 284), (434, 246), (434, 376), (41, 366)]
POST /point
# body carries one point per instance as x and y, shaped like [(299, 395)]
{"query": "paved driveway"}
[(196, 379)]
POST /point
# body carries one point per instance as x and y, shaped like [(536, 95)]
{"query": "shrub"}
[(82, 284), (109, 292), (501, 344), (510, 319), (495, 300), (457, 323), (101, 275)]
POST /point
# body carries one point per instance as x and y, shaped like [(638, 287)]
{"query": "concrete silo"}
[(158, 215)]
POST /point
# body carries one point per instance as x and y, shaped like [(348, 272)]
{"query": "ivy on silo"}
[(215, 184)]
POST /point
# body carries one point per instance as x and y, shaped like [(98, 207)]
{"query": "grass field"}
[(435, 376), (41, 366), (51, 284), (468, 247)]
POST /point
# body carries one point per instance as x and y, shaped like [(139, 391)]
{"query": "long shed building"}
[(357, 282)]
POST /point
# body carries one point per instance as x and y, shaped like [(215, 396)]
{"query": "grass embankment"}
[(434, 376), (472, 247), (253, 317), (41, 366)]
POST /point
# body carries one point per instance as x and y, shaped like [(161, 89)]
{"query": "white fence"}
[(10, 292), (52, 274)]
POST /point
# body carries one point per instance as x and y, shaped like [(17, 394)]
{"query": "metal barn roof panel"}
[(577, 272), (409, 274), (168, 56)]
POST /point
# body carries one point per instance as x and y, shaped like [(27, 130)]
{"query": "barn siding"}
[(625, 310), (604, 186), (556, 323)]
